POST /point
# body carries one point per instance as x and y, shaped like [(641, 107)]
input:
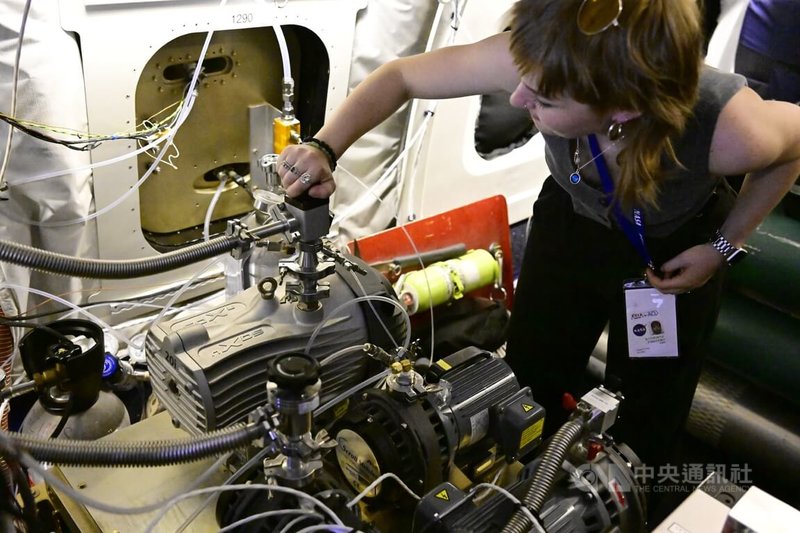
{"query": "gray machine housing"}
[(210, 370)]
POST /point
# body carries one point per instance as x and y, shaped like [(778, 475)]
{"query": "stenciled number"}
[(242, 18)]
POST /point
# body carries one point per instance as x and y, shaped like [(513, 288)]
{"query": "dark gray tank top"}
[(682, 191)]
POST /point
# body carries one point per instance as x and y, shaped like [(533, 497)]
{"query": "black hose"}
[(66, 265), (117, 453), (64, 418), (545, 475)]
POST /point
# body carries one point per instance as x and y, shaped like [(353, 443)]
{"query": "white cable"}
[(327, 527), (385, 176), (521, 506), (176, 123), (279, 35), (211, 205), (428, 113), (250, 463), (370, 190), (348, 303), (14, 89), (79, 497), (405, 312), (167, 140), (474, 491), (344, 351), (377, 482), (148, 300), (122, 337), (288, 527), (427, 284), (122, 306), (450, 39), (478, 498), (429, 45), (414, 140), (455, 24), (209, 299), (167, 144), (104, 163), (249, 486), (174, 298), (180, 119), (374, 312), (349, 392), (266, 514), (437, 20)]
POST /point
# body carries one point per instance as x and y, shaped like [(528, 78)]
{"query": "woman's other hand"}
[(687, 271)]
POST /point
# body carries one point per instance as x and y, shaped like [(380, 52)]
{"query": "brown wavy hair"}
[(650, 63)]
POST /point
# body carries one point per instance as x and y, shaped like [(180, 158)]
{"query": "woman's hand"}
[(304, 168), (687, 271)]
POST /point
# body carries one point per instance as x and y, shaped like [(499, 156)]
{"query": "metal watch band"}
[(726, 249)]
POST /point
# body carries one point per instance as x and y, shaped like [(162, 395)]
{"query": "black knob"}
[(293, 371)]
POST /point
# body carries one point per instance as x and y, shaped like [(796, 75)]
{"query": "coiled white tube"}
[(348, 303)]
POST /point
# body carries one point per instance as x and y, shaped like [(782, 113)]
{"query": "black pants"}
[(570, 287)]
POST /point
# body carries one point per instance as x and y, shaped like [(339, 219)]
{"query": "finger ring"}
[(287, 166), (305, 178)]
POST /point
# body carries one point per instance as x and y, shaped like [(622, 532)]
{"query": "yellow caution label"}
[(527, 407), (340, 410), (442, 495), (531, 433), (444, 365)]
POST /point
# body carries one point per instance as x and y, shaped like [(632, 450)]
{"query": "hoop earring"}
[(616, 131)]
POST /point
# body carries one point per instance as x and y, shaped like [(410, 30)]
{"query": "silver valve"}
[(306, 268), (293, 389), (269, 164), (342, 260)]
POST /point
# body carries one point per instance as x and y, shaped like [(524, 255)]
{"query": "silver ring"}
[(287, 166), (305, 178)]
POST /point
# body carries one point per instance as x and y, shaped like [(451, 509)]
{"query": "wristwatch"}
[(731, 253)]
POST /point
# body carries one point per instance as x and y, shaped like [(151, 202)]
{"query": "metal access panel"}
[(240, 72), (121, 43)]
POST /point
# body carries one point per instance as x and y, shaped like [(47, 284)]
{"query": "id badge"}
[(652, 321)]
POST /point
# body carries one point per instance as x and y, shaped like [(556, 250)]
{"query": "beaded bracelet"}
[(324, 148)]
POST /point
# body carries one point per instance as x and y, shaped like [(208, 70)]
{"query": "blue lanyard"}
[(633, 229)]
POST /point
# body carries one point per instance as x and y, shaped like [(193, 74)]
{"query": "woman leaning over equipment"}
[(639, 135)]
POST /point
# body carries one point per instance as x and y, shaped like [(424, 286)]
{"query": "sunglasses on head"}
[(596, 16)]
